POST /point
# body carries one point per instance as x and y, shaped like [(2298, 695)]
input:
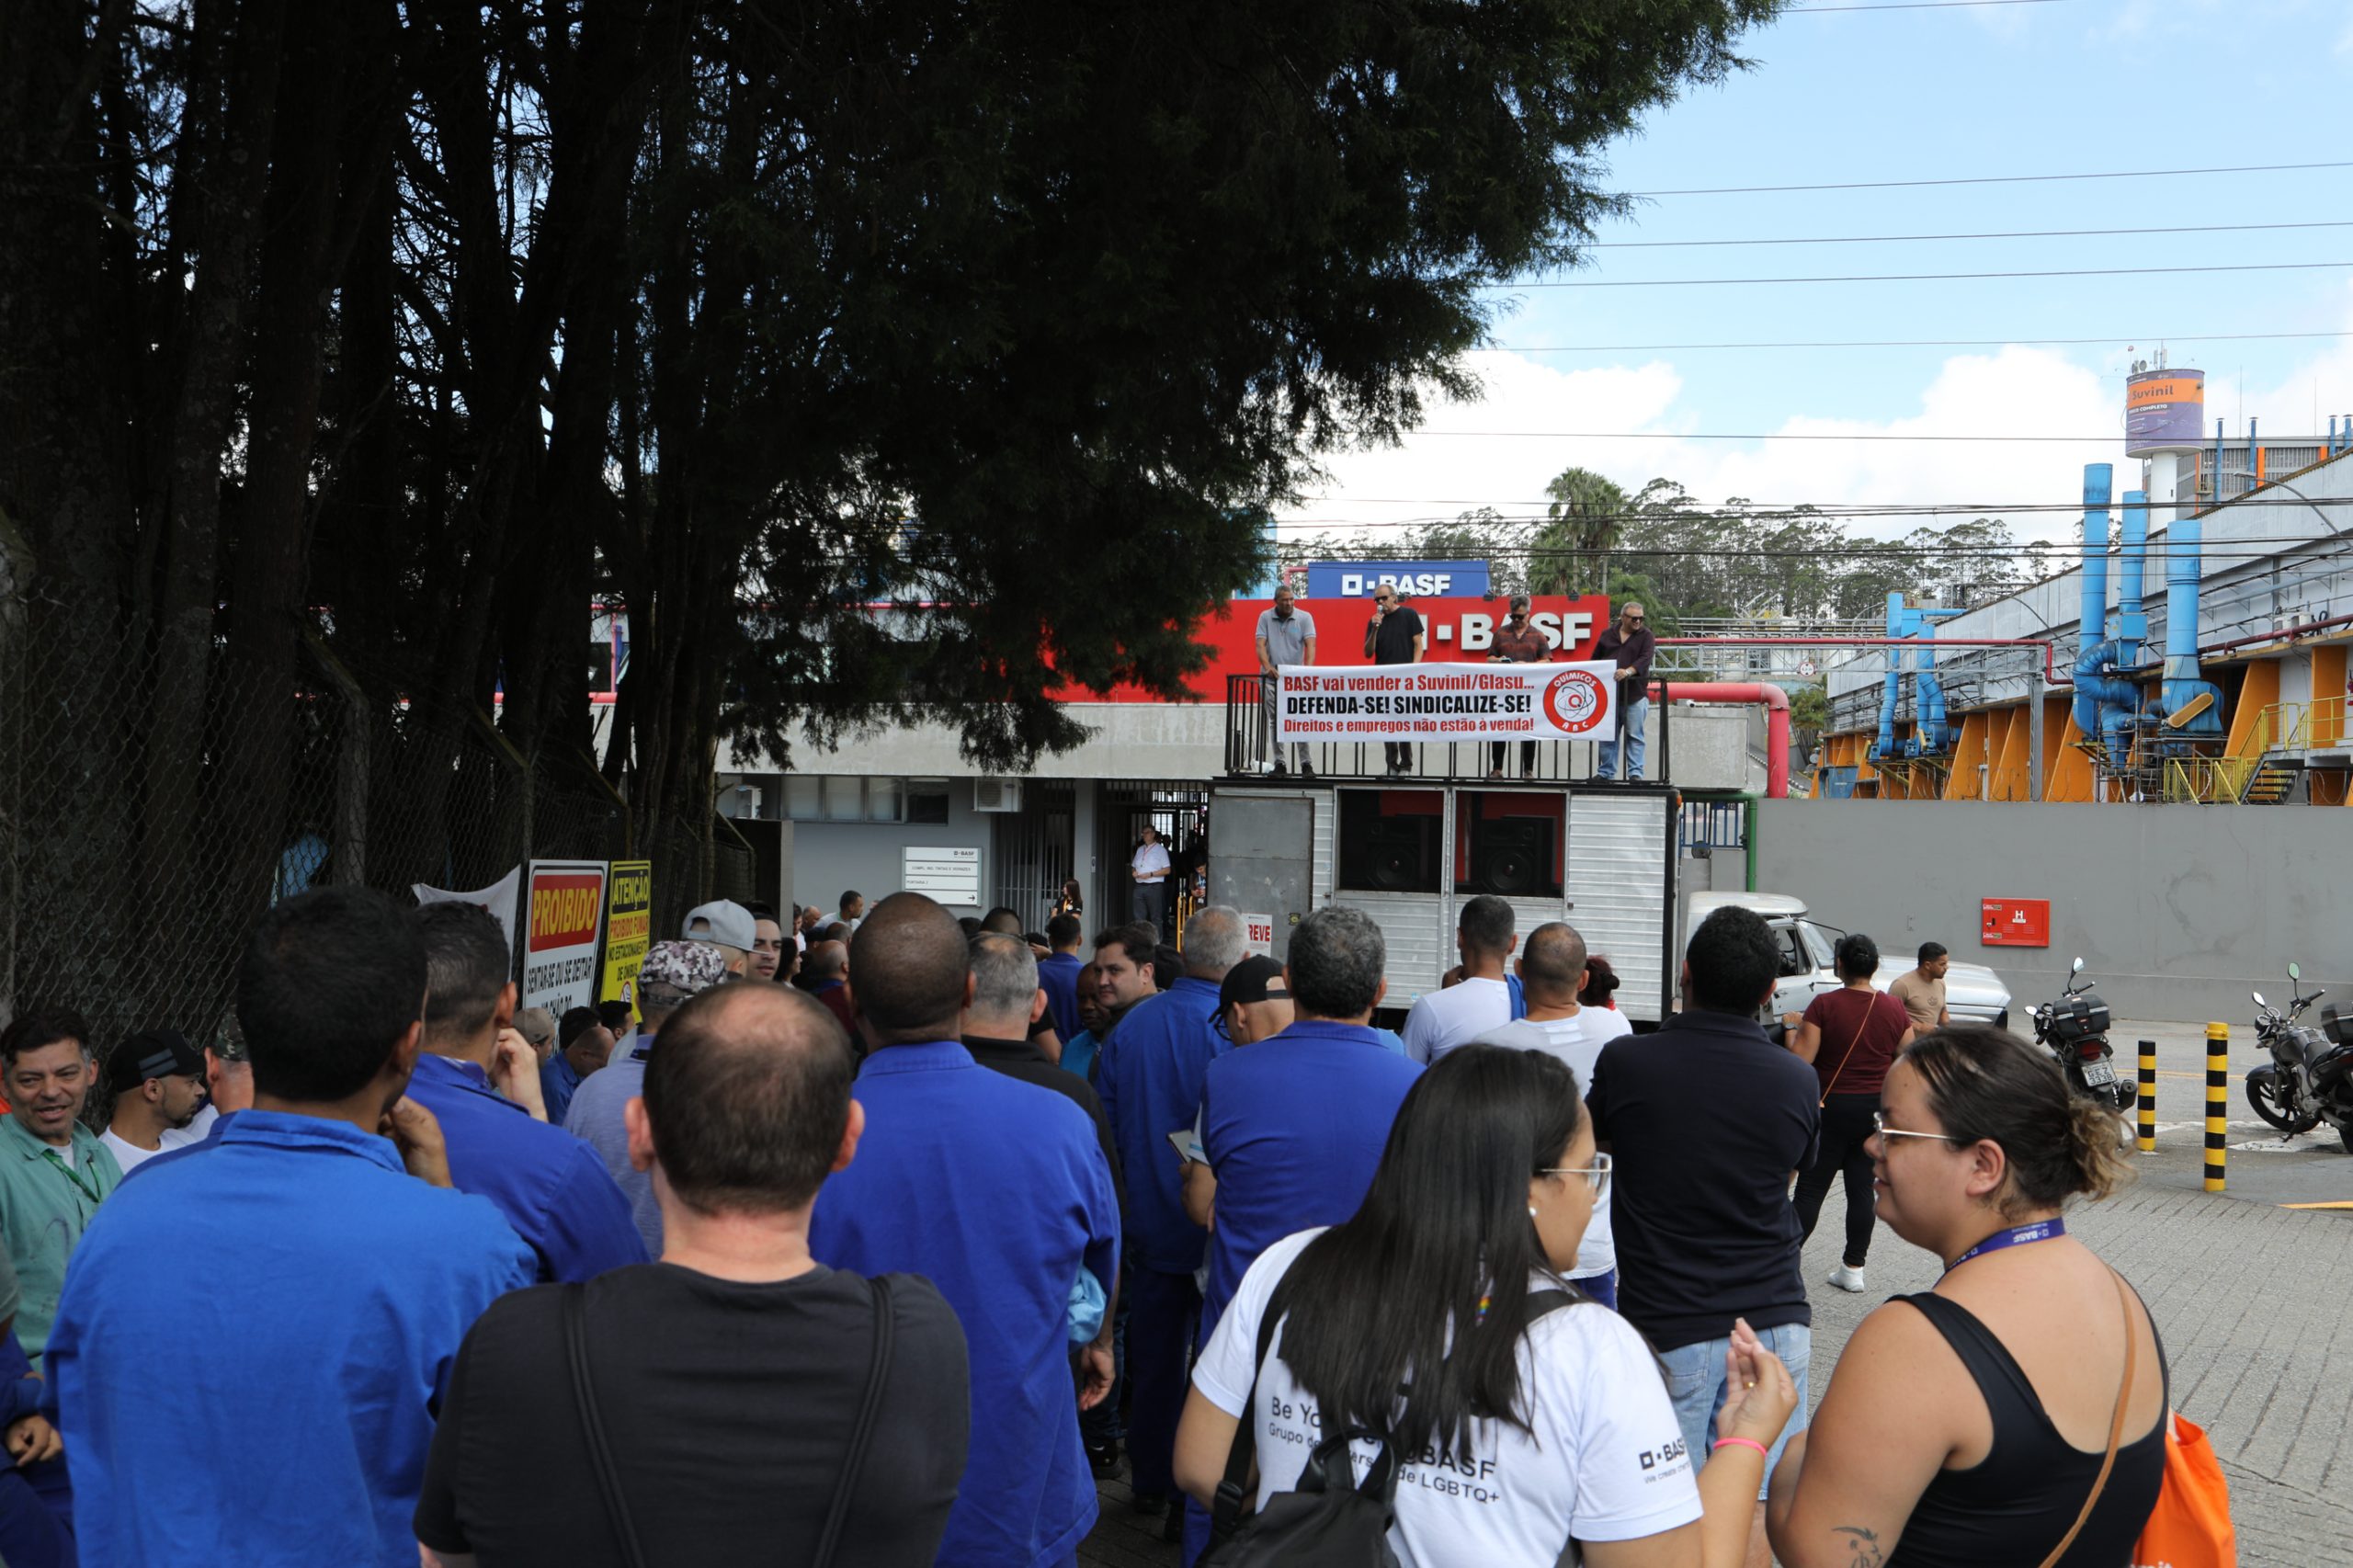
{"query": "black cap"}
[(1254, 979), (152, 1053)]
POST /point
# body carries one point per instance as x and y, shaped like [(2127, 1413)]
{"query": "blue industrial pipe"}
[(1889, 688), (2184, 681), (2099, 695)]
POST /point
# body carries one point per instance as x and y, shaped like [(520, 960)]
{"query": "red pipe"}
[(1777, 718)]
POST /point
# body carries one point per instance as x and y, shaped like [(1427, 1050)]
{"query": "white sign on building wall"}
[(949, 875)]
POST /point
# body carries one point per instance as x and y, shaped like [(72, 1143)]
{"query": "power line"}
[(1993, 179), (1999, 234), (1729, 436), (1913, 343), (1924, 276), (1751, 508)]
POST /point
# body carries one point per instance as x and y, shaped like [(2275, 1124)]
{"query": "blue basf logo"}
[(1424, 579)]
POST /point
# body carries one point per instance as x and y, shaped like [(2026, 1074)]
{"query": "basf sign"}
[(1421, 579)]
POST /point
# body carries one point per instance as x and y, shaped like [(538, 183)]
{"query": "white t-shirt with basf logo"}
[(1606, 1462)]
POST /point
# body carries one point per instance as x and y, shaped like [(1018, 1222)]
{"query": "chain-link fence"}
[(149, 813)]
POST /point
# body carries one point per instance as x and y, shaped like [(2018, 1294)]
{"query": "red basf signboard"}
[(1457, 630)]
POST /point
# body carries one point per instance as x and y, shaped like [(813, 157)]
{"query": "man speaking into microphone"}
[(1394, 636)]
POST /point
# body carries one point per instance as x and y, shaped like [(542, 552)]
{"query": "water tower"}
[(2164, 418)]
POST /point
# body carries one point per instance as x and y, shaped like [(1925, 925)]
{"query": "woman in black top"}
[(1968, 1424), (1850, 1036)]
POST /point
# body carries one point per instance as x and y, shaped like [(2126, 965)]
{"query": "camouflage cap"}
[(689, 967)]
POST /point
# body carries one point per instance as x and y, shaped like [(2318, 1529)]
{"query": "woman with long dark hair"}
[(1533, 1424), (1851, 1036), (2016, 1413)]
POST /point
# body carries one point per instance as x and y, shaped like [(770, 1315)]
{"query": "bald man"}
[(998, 1192)]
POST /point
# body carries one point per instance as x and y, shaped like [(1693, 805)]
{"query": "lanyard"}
[(2016, 1235), (73, 1175)]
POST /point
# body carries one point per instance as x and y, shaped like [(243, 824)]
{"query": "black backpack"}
[(1331, 1521)]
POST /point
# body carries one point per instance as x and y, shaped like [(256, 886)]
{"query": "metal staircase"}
[(2272, 782)]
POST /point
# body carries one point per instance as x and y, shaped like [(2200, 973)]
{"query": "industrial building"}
[(2197, 655)]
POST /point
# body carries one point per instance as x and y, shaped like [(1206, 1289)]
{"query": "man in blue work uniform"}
[(1294, 1125), (1149, 1075), (1058, 974), (997, 1192), (482, 1083), (317, 1254)]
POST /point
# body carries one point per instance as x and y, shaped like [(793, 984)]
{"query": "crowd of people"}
[(882, 1240)]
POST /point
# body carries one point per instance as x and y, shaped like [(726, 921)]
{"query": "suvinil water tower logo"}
[(1576, 701)]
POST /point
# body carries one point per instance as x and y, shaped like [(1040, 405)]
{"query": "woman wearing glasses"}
[(1975, 1423), (1534, 1426)]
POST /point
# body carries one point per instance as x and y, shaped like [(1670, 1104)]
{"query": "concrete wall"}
[(2177, 912), (829, 856)]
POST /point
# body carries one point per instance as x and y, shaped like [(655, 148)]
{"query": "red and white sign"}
[(565, 916), (1449, 702), (1452, 628), (1258, 934), (2014, 923)]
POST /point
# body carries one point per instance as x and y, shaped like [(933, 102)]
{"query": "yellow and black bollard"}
[(2218, 1101), (2148, 1103)]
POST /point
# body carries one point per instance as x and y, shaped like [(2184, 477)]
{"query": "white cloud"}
[(1445, 469)]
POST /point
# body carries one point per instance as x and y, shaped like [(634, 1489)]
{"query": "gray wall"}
[(828, 856), (2177, 911)]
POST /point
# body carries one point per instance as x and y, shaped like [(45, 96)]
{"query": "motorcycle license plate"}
[(2098, 1074)]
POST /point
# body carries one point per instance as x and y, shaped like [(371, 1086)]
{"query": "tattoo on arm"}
[(1863, 1544)]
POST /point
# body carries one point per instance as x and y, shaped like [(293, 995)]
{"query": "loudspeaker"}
[(1389, 854), (1511, 856)]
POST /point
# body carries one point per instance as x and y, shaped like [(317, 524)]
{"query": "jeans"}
[(1694, 1382), (1607, 763), (1846, 1124), (1495, 750), (1292, 753)]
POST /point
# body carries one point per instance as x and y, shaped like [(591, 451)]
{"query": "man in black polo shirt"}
[(1707, 1121), (1394, 636), (1005, 1003)]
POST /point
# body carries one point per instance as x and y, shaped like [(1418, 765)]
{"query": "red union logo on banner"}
[(1576, 702)]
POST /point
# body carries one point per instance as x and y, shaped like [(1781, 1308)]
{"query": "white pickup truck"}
[(1973, 991)]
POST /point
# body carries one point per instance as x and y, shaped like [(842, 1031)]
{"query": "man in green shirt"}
[(54, 1171)]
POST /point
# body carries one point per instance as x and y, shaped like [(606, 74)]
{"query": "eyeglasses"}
[(1597, 1175), (1636, 619), (1879, 1120), (1384, 598)]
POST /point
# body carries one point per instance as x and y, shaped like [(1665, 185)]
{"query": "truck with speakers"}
[(1600, 855)]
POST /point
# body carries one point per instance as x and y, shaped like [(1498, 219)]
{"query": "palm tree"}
[(1586, 514)]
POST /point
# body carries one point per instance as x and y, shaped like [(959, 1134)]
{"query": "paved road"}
[(2251, 1298)]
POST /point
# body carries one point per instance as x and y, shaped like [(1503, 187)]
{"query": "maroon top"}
[(1859, 1031)]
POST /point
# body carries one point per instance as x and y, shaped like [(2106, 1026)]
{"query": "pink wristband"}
[(1745, 1443)]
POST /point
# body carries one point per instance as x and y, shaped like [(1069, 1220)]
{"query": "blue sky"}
[(2063, 87)]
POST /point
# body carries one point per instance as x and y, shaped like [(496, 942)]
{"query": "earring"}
[(1531, 1212)]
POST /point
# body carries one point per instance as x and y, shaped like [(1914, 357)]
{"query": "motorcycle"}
[(2309, 1076), (2074, 1030)]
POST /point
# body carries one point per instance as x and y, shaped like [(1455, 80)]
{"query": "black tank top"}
[(2012, 1506)]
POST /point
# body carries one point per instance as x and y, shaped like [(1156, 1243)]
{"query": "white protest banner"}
[(498, 898), (567, 905), (1258, 934), (1447, 702)]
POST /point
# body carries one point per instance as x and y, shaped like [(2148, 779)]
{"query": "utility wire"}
[(1913, 342), (1993, 179), (2000, 235), (1922, 277), (1779, 509), (1763, 436)]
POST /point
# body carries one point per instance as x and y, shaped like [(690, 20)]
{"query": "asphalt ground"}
[(2249, 1293)]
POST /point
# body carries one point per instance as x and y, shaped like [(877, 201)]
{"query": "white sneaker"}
[(1846, 1278)]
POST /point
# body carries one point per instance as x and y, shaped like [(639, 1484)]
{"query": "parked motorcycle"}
[(2309, 1076), (2074, 1030)]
